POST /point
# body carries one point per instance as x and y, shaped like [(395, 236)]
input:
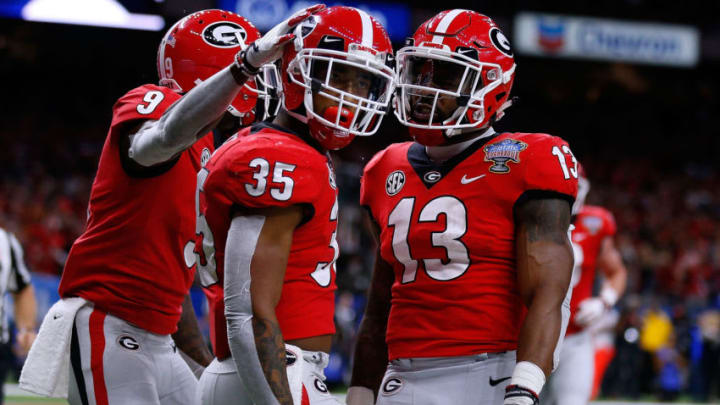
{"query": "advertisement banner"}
[(604, 39)]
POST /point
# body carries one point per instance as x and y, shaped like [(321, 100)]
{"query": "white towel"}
[(46, 369)]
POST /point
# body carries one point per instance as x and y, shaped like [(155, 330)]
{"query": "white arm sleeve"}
[(241, 242), (181, 125)]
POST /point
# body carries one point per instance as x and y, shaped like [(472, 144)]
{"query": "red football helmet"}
[(205, 42), (460, 55), (344, 56)]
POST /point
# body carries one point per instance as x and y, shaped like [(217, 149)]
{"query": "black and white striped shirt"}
[(14, 275)]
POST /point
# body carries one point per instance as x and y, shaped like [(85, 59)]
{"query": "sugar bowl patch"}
[(503, 152)]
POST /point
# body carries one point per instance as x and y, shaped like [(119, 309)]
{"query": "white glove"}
[(358, 395), (517, 395), (590, 311), (271, 45)]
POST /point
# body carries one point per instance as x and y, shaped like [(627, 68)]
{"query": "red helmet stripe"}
[(445, 23), (367, 29)]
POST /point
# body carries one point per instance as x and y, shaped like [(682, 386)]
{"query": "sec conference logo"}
[(395, 182)]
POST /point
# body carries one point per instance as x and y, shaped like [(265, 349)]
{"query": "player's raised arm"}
[(371, 355), (258, 247), (157, 141), (544, 266), (610, 264)]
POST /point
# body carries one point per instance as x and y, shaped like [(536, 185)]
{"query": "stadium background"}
[(647, 134)]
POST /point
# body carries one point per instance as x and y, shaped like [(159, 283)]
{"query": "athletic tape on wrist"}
[(528, 375)]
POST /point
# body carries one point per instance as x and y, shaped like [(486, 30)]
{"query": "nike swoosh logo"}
[(498, 381), (465, 180)]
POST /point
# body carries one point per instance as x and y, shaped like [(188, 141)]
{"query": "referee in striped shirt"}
[(14, 278)]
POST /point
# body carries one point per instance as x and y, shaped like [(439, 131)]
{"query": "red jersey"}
[(132, 260), (448, 232), (268, 166), (592, 225)]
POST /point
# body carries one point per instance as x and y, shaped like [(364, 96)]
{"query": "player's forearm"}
[(371, 352), (188, 337), (242, 238), (371, 357), (25, 308), (548, 300), (544, 263), (540, 333), (611, 264), (187, 120), (271, 352)]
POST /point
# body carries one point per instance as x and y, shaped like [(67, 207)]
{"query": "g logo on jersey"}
[(432, 177), (224, 34), (500, 41), (392, 386), (395, 182), (128, 342)]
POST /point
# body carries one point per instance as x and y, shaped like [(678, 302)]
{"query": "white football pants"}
[(115, 363), (571, 383), (220, 383), (472, 380)]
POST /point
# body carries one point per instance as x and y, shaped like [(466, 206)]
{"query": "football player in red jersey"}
[(470, 291), (268, 216), (134, 263), (594, 247)]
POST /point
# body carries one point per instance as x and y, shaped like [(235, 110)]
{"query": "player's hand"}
[(517, 395), (590, 311), (25, 339), (270, 47)]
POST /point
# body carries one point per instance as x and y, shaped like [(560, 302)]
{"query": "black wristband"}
[(515, 391), (241, 69), (239, 74)]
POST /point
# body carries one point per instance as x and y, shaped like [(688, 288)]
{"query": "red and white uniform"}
[(265, 166), (130, 260), (592, 225), (449, 233)]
